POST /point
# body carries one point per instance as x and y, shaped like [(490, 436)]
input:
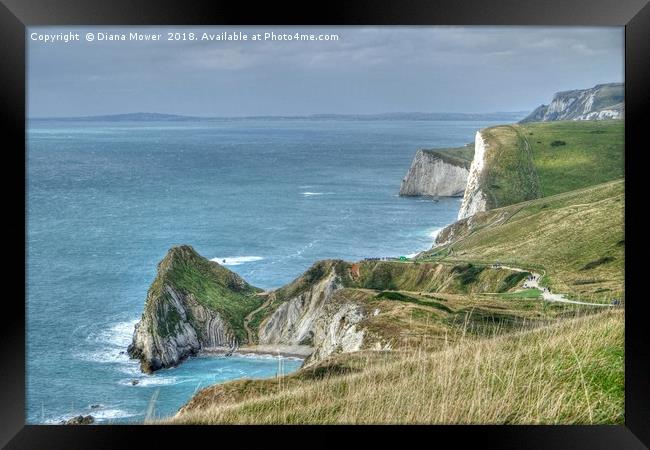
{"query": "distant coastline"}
[(158, 117)]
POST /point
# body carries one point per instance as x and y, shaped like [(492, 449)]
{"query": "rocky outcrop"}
[(314, 313), (190, 306), (474, 199), (601, 102), (338, 330), (79, 420), (435, 174)]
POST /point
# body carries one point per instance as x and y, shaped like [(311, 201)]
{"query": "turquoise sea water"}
[(106, 200)]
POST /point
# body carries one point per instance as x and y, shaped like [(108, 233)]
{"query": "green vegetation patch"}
[(524, 293), (571, 154), (598, 262), (467, 273), (398, 296), (211, 285), (512, 281), (510, 175)]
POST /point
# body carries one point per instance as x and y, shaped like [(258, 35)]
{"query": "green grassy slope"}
[(592, 153), (576, 238), (509, 176), (568, 373), (527, 161)]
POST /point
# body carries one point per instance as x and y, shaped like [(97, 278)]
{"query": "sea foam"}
[(236, 260)]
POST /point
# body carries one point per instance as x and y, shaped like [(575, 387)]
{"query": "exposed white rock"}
[(474, 199), (293, 321), (601, 102), (431, 175), (159, 343), (336, 331), (318, 318)]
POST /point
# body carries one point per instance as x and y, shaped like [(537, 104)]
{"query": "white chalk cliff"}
[(474, 199), (431, 174), (601, 102), (315, 316)]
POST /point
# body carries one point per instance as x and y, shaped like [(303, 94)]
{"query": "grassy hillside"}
[(407, 303), (510, 175), (570, 372), (576, 238), (527, 161), (571, 155)]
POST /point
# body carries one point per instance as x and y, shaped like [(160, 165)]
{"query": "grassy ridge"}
[(510, 175), (571, 155), (576, 238), (571, 372), (527, 161)]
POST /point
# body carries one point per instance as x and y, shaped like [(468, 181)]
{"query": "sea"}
[(265, 197)]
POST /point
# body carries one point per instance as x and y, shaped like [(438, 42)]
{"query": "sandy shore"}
[(293, 351)]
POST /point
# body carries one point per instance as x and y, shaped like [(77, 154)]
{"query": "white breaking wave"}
[(266, 356), (236, 260), (118, 335), (108, 414), (433, 234), (113, 342), (152, 381), (311, 194), (98, 414)]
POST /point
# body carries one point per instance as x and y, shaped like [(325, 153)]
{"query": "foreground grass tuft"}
[(571, 372)]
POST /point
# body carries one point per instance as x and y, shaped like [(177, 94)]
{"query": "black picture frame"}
[(15, 15)]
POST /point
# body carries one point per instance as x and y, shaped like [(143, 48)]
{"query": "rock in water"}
[(192, 304), (79, 420)]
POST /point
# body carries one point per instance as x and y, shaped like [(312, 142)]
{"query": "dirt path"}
[(249, 332), (533, 283)]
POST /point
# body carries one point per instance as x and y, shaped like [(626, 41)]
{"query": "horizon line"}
[(310, 115)]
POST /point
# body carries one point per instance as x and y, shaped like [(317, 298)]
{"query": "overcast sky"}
[(368, 70)]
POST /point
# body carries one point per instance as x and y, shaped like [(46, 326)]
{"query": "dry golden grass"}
[(567, 373)]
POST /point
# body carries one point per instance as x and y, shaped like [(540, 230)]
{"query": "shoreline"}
[(271, 350)]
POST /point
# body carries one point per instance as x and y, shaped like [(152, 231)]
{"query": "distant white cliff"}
[(601, 102), (435, 174)]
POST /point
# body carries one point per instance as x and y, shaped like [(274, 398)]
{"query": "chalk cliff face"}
[(601, 102), (315, 313), (433, 174), (474, 199), (194, 304), (187, 309)]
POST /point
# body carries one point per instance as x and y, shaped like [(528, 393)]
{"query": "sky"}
[(368, 70)]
